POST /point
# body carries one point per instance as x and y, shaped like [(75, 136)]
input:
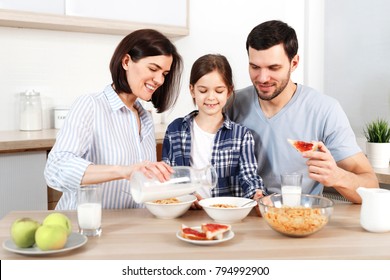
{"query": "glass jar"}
[(184, 180), (30, 111)]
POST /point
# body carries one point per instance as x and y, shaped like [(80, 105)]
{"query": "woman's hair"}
[(272, 33), (209, 63), (144, 43)]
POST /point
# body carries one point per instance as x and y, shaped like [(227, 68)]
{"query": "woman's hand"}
[(160, 170)]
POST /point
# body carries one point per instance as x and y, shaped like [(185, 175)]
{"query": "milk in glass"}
[(89, 210), (89, 215), (291, 185)]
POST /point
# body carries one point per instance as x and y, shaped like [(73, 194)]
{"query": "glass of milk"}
[(291, 184), (89, 210)]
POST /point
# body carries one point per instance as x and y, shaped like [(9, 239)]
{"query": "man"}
[(276, 109)]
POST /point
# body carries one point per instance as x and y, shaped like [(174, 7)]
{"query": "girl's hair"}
[(144, 43), (209, 63)]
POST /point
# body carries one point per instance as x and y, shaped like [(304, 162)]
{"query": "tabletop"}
[(137, 234)]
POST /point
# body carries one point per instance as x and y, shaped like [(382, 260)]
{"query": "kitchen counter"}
[(136, 234), (21, 141)]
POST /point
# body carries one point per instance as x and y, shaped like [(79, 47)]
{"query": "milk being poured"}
[(184, 180)]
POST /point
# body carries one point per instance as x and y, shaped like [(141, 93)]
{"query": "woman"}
[(207, 136), (109, 135)]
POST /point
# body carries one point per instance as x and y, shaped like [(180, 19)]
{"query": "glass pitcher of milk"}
[(184, 180)]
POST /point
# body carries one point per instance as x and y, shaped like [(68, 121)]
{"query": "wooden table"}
[(136, 234)]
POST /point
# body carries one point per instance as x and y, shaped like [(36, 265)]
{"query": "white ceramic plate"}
[(75, 240), (226, 236)]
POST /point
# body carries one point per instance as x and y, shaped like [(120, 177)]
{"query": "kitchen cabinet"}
[(22, 161), (118, 17), (22, 185)]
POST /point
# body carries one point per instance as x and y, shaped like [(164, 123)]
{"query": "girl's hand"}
[(195, 205)]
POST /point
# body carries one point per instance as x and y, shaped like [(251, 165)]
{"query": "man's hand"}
[(322, 166), (345, 176)]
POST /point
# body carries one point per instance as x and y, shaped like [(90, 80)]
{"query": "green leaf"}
[(377, 131)]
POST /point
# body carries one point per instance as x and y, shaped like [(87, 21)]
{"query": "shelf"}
[(19, 19)]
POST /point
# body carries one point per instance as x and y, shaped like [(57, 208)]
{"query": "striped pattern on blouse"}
[(99, 129)]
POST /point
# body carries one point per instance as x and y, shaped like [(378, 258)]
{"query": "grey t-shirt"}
[(309, 116)]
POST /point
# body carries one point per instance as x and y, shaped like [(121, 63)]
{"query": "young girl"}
[(207, 136)]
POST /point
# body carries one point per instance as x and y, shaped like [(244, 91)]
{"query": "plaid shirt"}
[(232, 155)]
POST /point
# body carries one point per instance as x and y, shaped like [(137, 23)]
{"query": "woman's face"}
[(147, 74), (210, 93)]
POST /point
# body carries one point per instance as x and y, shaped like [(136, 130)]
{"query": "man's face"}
[(270, 70)]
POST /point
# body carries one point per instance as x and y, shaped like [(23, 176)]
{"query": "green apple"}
[(51, 237), (58, 219), (23, 232)]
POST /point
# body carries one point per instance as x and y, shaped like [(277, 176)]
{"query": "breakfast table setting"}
[(139, 235)]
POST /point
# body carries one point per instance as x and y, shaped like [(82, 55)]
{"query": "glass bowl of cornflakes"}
[(310, 216)]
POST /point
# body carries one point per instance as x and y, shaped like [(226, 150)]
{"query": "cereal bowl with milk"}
[(172, 207), (227, 209)]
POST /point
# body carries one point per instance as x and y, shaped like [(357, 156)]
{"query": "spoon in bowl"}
[(247, 203)]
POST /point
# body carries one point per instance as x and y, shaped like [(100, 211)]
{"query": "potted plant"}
[(377, 133)]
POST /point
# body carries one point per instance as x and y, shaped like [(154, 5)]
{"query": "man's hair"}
[(272, 33)]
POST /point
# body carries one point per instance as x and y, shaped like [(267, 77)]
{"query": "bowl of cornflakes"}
[(170, 208), (310, 216), (227, 209)]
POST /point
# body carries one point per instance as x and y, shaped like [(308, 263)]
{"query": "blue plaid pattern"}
[(232, 156)]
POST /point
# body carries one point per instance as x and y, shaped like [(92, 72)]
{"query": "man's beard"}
[(277, 91)]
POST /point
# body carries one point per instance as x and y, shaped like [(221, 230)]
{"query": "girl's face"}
[(147, 74), (210, 93)]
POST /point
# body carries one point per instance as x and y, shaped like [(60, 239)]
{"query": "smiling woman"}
[(109, 135)]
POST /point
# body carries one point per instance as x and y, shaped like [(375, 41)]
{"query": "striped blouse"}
[(99, 129)]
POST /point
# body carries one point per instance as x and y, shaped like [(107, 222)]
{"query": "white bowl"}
[(227, 215), (173, 210)]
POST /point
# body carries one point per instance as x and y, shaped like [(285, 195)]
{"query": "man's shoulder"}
[(315, 97), (245, 92), (245, 96), (312, 92)]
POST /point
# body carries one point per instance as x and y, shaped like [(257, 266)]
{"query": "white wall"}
[(60, 65), (64, 65), (357, 57)]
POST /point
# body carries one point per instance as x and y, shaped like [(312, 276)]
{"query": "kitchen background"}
[(343, 49)]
